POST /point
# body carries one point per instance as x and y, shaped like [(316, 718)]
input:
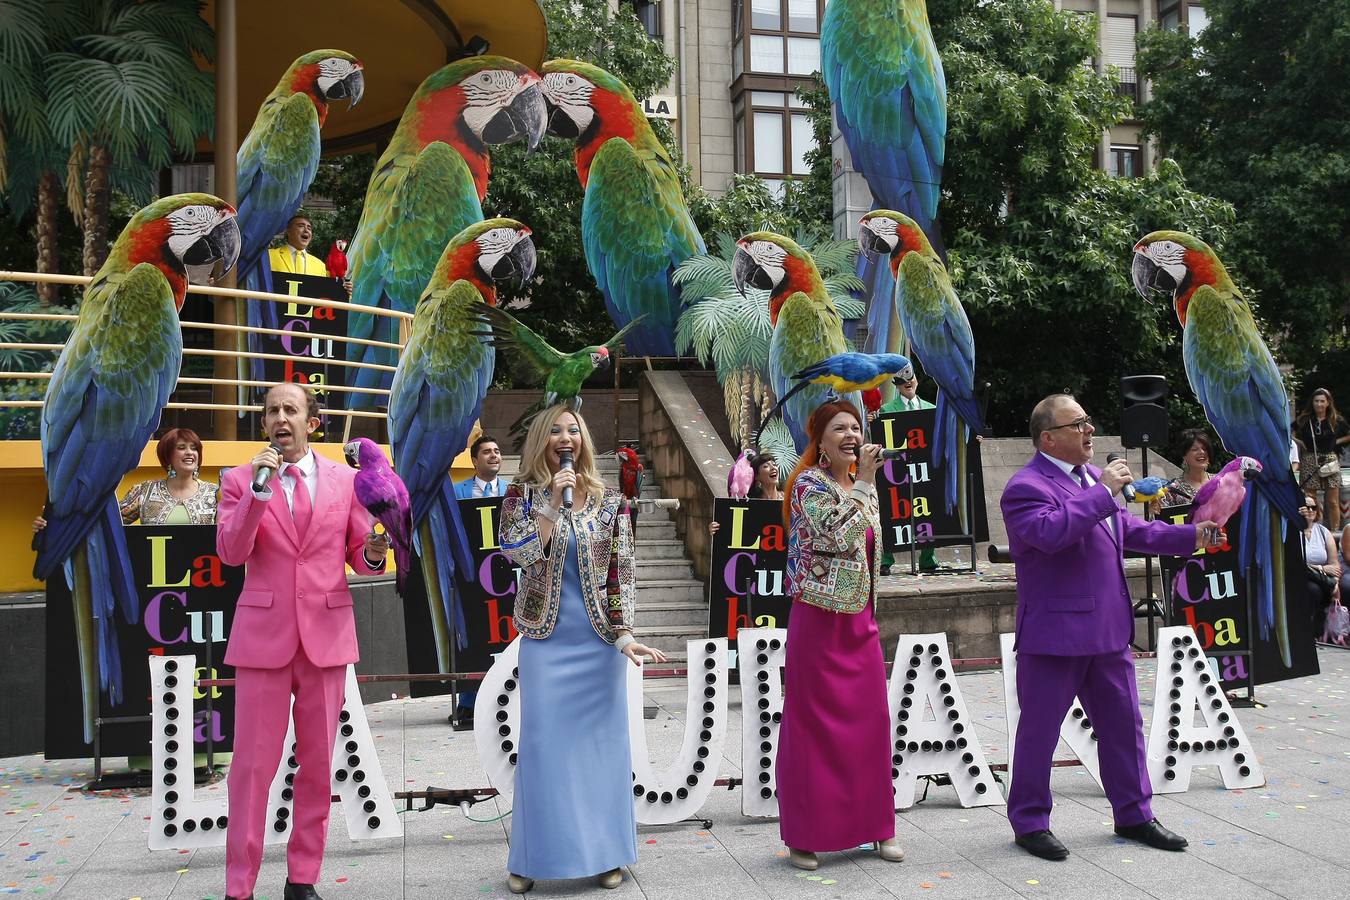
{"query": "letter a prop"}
[(1075, 730), (179, 821), (1175, 744), (933, 731)]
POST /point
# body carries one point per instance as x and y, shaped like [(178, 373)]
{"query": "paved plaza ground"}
[(1288, 839)]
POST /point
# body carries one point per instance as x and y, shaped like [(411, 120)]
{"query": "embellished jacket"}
[(827, 563), (151, 503), (596, 527)]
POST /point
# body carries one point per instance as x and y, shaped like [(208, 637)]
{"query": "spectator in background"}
[(1321, 433), (1196, 452), (179, 498), (486, 454), (1324, 567), (765, 485), (293, 256)]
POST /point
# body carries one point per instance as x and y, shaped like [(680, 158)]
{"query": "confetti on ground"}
[(944, 874), (1032, 881), (925, 884)]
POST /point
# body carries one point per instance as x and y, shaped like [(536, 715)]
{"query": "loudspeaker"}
[(1143, 410)]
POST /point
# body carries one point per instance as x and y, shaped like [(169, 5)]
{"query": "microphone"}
[(1128, 490), (565, 460), (885, 454), (265, 473)]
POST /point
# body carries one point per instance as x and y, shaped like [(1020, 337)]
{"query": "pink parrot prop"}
[(742, 476), (379, 489), (1222, 495)]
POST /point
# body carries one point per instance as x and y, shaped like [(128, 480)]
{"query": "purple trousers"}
[(1046, 686)]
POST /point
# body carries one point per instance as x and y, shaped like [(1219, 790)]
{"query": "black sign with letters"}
[(747, 585)]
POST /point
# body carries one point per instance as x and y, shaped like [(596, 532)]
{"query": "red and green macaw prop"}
[(885, 78), (806, 323), (436, 396), (635, 224), (428, 186), (103, 402), (928, 312), (1237, 382), (278, 158), (631, 476)]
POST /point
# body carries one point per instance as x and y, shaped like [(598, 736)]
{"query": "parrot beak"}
[(560, 124), (871, 245), (351, 452), (1149, 276), (745, 271), (219, 245), (352, 87), (516, 265), (525, 119)]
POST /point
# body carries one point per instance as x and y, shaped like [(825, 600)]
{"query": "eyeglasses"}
[(1079, 425)]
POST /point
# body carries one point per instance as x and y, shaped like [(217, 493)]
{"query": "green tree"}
[(1040, 241), (1257, 110), (541, 188)]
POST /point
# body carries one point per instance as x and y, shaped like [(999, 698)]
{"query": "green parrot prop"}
[(635, 225), (1237, 382), (427, 187), (278, 159), (927, 310), (806, 324), (563, 373), (889, 92), (436, 396), (103, 403)]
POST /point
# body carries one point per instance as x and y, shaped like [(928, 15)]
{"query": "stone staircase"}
[(672, 603)]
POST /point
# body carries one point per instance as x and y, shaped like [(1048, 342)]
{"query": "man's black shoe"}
[(1043, 844), (1153, 834), (300, 892), (885, 570), (228, 897)]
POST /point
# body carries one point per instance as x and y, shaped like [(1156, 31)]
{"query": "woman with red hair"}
[(834, 757)]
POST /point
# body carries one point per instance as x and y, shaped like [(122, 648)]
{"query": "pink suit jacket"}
[(295, 592), (1072, 599)]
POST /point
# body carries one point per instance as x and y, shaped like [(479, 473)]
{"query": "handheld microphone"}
[(265, 473), (1128, 490), (565, 460), (885, 454)]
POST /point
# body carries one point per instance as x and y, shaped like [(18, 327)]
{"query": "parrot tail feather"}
[(444, 522), (440, 624), (86, 642), (1280, 601), (799, 386)]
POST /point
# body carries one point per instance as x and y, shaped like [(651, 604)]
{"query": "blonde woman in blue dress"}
[(573, 811)]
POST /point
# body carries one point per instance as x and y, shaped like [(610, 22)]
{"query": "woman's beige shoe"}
[(803, 859), (519, 884), (890, 851), (611, 879)]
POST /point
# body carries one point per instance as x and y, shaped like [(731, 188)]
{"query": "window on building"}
[(776, 37), (1199, 20), (1169, 17), (1125, 161), (1118, 48), (773, 136), (648, 12)]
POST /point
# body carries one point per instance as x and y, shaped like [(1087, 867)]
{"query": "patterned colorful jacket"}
[(151, 503), (827, 562), (610, 595)]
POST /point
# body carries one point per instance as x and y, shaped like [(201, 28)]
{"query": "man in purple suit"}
[(1075, 622)]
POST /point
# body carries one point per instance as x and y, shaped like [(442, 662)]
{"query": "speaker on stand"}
[(1143, 424)]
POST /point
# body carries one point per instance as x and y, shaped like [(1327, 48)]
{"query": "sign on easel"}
[(747, 585)]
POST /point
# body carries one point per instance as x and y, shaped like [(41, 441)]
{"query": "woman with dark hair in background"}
[(765, 485), (1321, 432), (1196, 452), (834, 752)]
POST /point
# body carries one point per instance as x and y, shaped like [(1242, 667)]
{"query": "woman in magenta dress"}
[(834, 757)]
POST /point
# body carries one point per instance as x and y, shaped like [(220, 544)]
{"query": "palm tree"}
[(125, 96), (733, 331)]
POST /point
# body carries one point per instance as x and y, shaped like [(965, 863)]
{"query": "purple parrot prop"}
[(380, 490), (741, 476), (1222, 495)]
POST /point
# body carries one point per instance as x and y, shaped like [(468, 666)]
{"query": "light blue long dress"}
[(573, 811)]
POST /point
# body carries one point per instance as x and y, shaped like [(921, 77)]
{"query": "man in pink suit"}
[(293, 632), (1075, 622)]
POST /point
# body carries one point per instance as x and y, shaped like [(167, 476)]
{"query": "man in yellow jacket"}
[(292, 257)]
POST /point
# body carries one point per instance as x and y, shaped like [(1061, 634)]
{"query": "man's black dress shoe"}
[(1153, 834), (885, 570), (300, 892), (1043, 844)]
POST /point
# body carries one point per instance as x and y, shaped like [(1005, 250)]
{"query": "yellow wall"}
[(24, 490)]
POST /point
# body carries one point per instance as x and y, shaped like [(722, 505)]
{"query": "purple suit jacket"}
[(1072, 599)]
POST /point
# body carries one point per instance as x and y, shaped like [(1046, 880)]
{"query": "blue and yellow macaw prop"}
[(940, 338), (635, 224), (885, 79), (1237, 382), (437, 394), (103, 402), (427, 187), (845, 373), (806, 323), (278, 159), (1146, 490)]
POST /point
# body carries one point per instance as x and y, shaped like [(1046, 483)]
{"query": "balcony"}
[(1129, 83)]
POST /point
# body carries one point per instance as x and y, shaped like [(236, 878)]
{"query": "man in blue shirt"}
[(487, 462)]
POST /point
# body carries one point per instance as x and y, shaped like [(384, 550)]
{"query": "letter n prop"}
[(180, 821), (1075, 730), (1175, 744), (945, 744), (658, 798), (761, 665)]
